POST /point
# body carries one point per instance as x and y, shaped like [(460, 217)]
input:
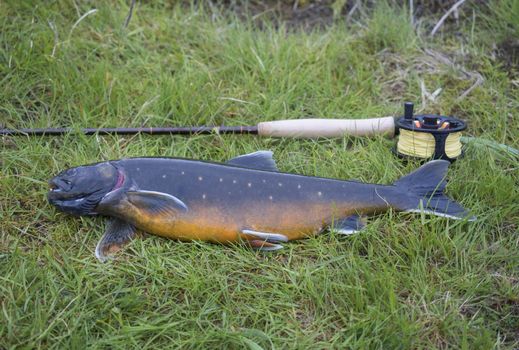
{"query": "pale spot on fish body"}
[(200, 178), (233, 181), (164, 176), (249, 185)]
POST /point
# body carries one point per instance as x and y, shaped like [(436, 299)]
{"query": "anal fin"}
[(118, 233), (264, 246), (349, 225)]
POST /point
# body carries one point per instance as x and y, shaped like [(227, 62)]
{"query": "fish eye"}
[(71, 172)]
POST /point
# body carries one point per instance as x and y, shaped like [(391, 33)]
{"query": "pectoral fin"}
[(117, 234), (350, 225), (156, 202)]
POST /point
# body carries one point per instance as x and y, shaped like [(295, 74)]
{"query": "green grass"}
[(407, 281)]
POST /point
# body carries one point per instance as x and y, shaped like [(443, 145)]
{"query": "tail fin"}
[(424, 191)]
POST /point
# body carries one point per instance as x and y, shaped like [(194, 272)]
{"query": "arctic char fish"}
[(244, 200)]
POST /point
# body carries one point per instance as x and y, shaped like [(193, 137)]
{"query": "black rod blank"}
[(197, 130)]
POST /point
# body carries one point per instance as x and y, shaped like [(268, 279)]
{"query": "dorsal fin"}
[(261, 160)]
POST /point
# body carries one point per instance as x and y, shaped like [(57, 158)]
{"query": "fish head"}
[(79, 190)]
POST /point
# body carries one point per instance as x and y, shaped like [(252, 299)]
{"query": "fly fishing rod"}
[(304, 128), (420, 136)]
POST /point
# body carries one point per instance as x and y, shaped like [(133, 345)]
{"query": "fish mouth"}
[(57, 193), (70, 202), (60, 190), (54, 187)]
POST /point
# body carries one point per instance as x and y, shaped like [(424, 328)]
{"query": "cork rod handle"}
[(311, 128)]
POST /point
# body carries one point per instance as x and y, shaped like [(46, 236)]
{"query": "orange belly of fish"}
[(217, 225)]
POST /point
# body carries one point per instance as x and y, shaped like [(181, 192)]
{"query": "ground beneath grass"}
[(407, 281)]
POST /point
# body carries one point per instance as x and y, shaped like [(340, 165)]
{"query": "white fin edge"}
[(173, 198), (267, 236), (102, 258), (443, 215), (345, 232)]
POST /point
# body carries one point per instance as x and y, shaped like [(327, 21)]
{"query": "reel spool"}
[(429, 136)]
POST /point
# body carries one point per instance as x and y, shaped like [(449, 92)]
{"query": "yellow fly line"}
[(422, 144)]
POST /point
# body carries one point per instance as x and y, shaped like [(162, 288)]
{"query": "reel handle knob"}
[(408, 110)]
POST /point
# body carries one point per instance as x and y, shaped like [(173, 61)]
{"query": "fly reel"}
[(429, 136)]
